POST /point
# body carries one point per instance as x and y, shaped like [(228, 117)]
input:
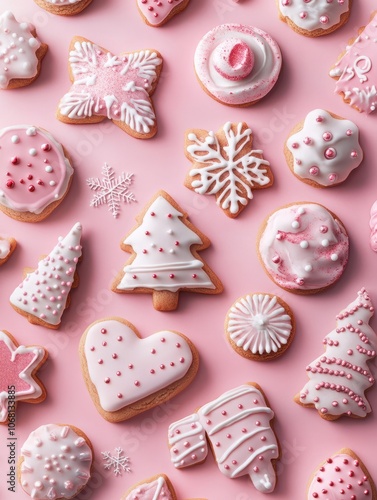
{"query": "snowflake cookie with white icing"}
[(63, 7), (260, 326), (7, 247), (339, 377), (18, 381), (165, 259), (238, 427), (44, 294), (21, 52), (117, 87), (158, 12), (35, 173), (303, 247), (323, 149), (342, 476), (355, 71), (314, 17), (158, 487), (55, 462), (127, 375), (225, 164)]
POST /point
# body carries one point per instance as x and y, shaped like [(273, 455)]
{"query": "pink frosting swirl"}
[(233, 59)]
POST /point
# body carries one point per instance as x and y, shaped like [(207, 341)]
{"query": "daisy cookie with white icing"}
[(236, 64), (22, 52), (63, 7), (303, 247), (314, 17), (127, 375), (158, 12), (35, 173), (55, 462), (323, 149), (7, 247), (355, 71), (260, 326)]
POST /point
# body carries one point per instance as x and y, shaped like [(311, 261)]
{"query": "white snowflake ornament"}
[(224, 164), (109, 86), (117, 462), (111, 191)]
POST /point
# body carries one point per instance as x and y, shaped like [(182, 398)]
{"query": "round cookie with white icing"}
[(303, 247), (35, 173), (63, 7), (158, 12), (323, 149), (260, 326), (236, 64), (314, 17), (7, 247), (55, 462), (22, 52)]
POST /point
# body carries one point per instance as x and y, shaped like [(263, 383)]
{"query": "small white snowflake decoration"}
[(111, 191), (117, 462)]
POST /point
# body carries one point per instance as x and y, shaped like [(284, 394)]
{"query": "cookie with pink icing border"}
[(18, 380), (35, 173), (303, 247), (237, 426), (126, 374), (339, 378), (343, 475), (22, 52), (317, 18), (55, 462), (323, 149), (158, 12), (116, 87), (63, 7), (7, 247), (355, 71)]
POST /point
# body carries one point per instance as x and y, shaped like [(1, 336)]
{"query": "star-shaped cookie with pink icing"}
[(18, 381), (158, 12), (117, 87)]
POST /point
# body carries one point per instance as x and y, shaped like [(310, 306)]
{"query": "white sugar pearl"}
[(295, 224), (52, 183), (325, 243), (304, 244), (334, 257), (32, 151), (31, 131), (308, 268), (15, 139), (301, 210), (48, 169)]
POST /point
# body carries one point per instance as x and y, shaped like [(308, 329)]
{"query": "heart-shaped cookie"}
[(126, 374), (158, 12)]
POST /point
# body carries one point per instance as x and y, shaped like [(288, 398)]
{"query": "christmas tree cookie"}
[(165, 260), (44, 294), (339, 378)]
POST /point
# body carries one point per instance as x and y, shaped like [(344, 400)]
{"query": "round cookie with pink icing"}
[(343, 475), (314, 17), (35, 173), (323, 149), (55, 462), (236, 64), (63, 7), (158, 12), (303, 247)]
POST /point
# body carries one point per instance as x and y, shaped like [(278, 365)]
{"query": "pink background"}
[(159, 163)]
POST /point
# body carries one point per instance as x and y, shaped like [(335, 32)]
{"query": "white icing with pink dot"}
[(156, 11), (326, 149), (125, 368), (151, 490), (187, 441), (18, 47), (56, 463)]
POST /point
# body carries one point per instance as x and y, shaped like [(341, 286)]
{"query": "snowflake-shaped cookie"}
[(224, 164), (109, 86)]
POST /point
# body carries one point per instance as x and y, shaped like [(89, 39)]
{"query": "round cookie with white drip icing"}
[(303, 247)]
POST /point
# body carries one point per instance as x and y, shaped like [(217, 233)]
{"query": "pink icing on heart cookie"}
[(35, 172), (126, 375), (237, 424), (18, 366), (342, 476), (55, 462), (356, 70), (158, 12), (340, 376)]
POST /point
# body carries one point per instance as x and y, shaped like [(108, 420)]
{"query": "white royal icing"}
[(187, 441), (4, 248), (340, 376), (56, 463), (156, 489), (44, 292), (163, 258), (259, 323), (326, 149)]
